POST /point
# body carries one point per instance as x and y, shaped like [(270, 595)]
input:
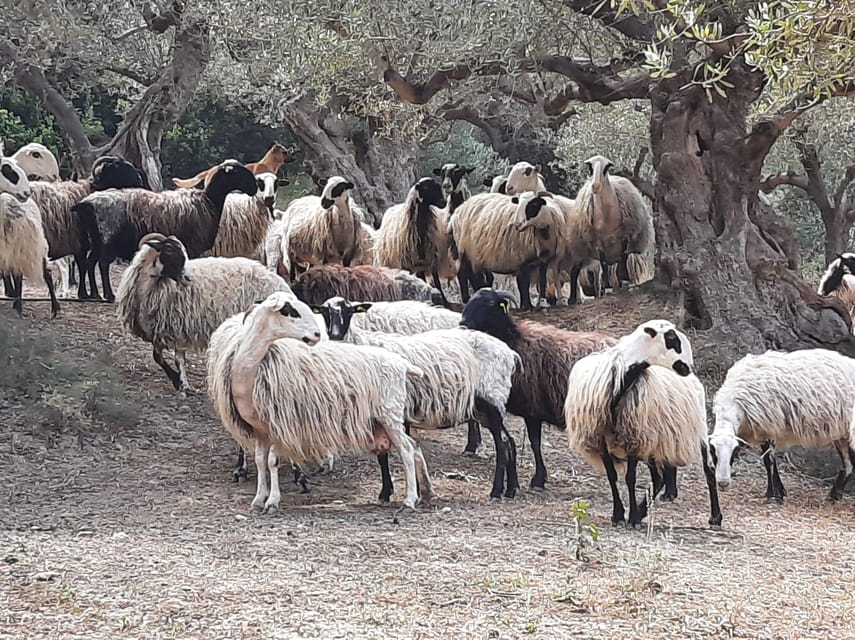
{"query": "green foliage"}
[(585, 533), (61, 391), (461, 146)]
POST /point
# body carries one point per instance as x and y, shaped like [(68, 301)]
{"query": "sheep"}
[(524, 176), (487, 236), (613, 212), (548, 354), (413, 234), (321, 230), (271, 162), (638, 401), (452, 178), (37, 161), (838, 283), (23, 247), (366, 241), (176, 303), (496, 184), (246, 221), (296, 400), (115, 221), (778, 400), (62, 226), (467, 373), (362, 283)]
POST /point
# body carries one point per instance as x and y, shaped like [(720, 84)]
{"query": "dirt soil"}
[(140, 533)]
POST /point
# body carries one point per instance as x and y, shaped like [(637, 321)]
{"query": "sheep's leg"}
[(511, 465), (535, 431), (424, 481), (656, 478), (709, 473), (488, 279), (574, 283), (91, 261), (846, 459), (271, 505), (611, 474), (438, 286), (524, 284), (637, 511), (262, 488), (54, 303), (72, 274), (80, 261), (386, 487), (8, 286), (240, 469), (181, 363), (18, 294), (464, 274), (774, 487), (670, 476), (157, 354), (300, 477), (492, 419), (473, 438), (406, 448), (62, 267), (104, 268)]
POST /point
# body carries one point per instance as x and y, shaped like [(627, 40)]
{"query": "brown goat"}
[(272, 161)]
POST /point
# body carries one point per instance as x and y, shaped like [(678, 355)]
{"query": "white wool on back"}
[(23, 247), (317, 235), (60, 223), (243, 228), (800, 398), (406, 317)]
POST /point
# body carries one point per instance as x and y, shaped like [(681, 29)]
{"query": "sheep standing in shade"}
[(23, 247), (115, 221), (613, 210), (373, 284), (413, 235), (176, 303), (294, 400), (322, 230), (547, 353), (839, 282), (779, 400), (638, 401), (467, 374)]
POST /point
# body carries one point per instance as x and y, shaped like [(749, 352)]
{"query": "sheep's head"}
[(337, 314), (230, 176), (38, 162), (267, 184), (524, 176), (598, 168), (278, 153), (534, 210), (283, 316), (428, 192), (452, 177), (723, 444), (112, 172), (336, 190), (847, 261), (171, 260), (489, 311), (658, 342), (13, 179)]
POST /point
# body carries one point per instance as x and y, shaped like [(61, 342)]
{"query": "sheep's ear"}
[(515, 200), (505, 306), (537, 168), (361, 307), (157, 245), (437, 172), (281, 182), (650, 331)]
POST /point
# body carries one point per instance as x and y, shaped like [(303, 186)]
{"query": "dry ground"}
[(116, 532)]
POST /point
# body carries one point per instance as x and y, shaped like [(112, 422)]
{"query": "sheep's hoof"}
[(495, 495), (257, 505), (668, 497), (510, 492), (470, 453), (775, 500), (384, 498), (271, 509)]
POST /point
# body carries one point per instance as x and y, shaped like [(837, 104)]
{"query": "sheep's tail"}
[(638, 268), (188, 183)]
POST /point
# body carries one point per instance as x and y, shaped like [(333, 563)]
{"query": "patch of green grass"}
[(56, 389)]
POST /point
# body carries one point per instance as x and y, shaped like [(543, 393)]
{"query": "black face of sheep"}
[(171, 256), (111, 172), (450, 176), (430, 193), (338, 313), (847, 260), (331, 195), (489, 311)]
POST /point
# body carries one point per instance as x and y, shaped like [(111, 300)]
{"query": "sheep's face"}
[(847, 261), (110, 172), (489, 311), (533, 210), (336, 190), (267, 184), (658, 342), (598, 168), (171, 257), (13, 180), (38, 162), (284, 316), (278, 153), (338, 313), (428, 192), (523, 177), (724, 445), (452, 177)]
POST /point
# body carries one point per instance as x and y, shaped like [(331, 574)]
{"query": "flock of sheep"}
[(323, 335)]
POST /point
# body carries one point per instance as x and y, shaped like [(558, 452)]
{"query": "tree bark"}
[(716, 249), (382, 169)]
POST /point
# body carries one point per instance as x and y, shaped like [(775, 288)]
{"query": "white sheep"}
[(176, 303), (23, 247), (467, 374), (612, 210), (322, 230), (523, 176), (638, 401), (779, 400), (297, 401), (37, 161), (840, 284)]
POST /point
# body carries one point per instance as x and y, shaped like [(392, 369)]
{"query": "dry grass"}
[(137, 532)]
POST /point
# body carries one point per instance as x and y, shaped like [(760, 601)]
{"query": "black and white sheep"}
[(276, 387), (23, 247), (779, 400), (115, 221), (176, 303), (638, 401), (839, 282)]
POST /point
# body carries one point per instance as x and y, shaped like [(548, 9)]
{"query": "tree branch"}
[(138, 77), (627, 24), (770, 183), (421, 93), (468, 114), (848, 177)]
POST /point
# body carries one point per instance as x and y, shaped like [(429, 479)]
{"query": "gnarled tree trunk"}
[(382, 169), (730, 266)]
